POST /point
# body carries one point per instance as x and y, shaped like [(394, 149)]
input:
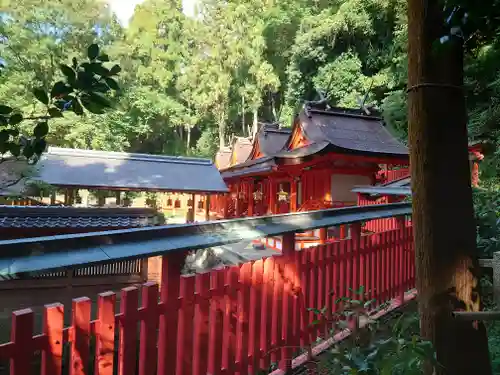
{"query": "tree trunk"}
[(243, 125), (443, 220), (188, 139), (222, 131), (255, 125)]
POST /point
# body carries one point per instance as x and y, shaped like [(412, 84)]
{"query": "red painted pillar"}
[(251, 203), (170, 289), (401, 258), (475, 174), (343, 231), (225, 205), (272, 197), (293, 195), (238, 202), (323, 235)]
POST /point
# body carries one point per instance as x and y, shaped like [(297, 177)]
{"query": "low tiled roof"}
[(123, 171), (223, 158), (75, 218), (241, 149), (349, 130), (272, 139)]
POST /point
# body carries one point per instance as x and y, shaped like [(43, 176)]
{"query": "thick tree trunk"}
[(443, 220)]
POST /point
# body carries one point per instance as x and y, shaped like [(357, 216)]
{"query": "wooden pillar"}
[(401, 257), (207, 207), (288, 245), (225, 203), (169, 296), (475, 174), (69, 197), (323, 235), (101, 200), (118, 198), (272, 196), (238, 203), (251, 202), (191, 210), (343, 232), (53, 197), (293, 194)]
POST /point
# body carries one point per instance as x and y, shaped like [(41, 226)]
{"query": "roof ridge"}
[(74, 152)]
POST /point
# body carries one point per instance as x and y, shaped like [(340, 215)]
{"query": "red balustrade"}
[(232, 320)]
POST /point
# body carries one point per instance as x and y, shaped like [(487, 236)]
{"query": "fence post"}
[(144, 269), (323, 235), (172, 265), (290, 302), (357, 268), (401, 258)]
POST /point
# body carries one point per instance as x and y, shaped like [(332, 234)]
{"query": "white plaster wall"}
[(342, 184)]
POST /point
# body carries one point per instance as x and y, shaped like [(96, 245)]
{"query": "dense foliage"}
[(190, 83)]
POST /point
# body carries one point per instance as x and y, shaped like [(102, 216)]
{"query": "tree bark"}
[(447, 267), (222, 131), (255, 124), (188, 139), (243, 125)]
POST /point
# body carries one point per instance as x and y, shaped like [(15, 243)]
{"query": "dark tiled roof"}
[(123, 171), (70, 217), (349, 130), (272, 139)]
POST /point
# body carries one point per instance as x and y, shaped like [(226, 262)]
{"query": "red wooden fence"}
[(394, 174), (233, 320)]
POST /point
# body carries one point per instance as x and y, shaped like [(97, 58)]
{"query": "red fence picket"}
[(232, 320)]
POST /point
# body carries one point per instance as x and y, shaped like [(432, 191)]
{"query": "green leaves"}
[(113, 85), (5, 110), (41, 130), (69, 72), (77, 107), (115, 70), (60, 89), (41, 95), (15, 119), (93, 51), (55, 112)]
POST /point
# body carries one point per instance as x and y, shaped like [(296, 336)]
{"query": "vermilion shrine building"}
[(314, 165), (318, 163)]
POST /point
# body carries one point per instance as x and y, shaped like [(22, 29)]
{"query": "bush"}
[(487, 215)]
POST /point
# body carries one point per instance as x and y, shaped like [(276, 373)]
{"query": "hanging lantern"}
[(177, 203), (234, 196), (257, 195), (241, 195), (282, 196), (200, 205)]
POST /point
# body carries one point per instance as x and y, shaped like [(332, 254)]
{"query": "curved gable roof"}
[(223, 158), (241, 149), (348, 130), (269, 140)]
